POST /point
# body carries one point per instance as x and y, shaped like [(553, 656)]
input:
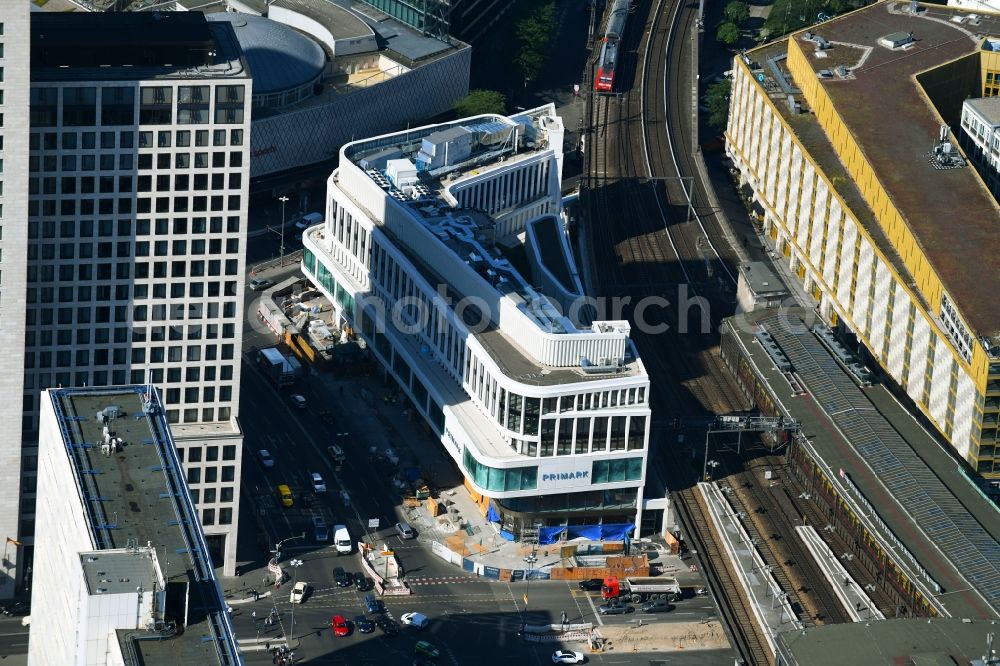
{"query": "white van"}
[(342, 539)]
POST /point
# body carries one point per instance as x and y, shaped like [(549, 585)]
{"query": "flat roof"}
[(987, 107), (926, 462), (117, 572), (761, 279), (919, 641), (280, 58), (139, 495), (398, 36), (340, 21), (98, 46), (399, 165), (952, 215)]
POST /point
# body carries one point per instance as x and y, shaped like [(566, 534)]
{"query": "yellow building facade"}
[(836, 219)]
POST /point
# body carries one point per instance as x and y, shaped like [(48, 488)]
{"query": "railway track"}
[(644, 241), (793, 566), (732, 604)]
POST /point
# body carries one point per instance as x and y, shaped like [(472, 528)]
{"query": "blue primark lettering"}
[(565, 476)]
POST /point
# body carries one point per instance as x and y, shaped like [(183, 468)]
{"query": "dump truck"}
[(279, 368), (639, 589)]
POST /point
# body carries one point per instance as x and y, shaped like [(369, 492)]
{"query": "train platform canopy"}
[(918, 490), (919, 641)]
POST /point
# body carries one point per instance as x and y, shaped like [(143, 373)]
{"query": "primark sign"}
[(565, 476)]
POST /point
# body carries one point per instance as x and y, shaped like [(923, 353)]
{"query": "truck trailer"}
[(639, 589), (279, 368)]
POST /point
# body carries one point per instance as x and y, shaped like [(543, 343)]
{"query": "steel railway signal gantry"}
[(741, 424)]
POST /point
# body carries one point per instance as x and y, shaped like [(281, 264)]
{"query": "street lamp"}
[(281, 251), (295, 563), (277, 546)]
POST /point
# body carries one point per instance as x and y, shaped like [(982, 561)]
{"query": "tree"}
[(536, 32), (737, 12), (478, 102), (717, 101), (728, 34)]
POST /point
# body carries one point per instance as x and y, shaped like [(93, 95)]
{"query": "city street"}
[(467, 613)]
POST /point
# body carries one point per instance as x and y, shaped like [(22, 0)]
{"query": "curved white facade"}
[(527, 403)]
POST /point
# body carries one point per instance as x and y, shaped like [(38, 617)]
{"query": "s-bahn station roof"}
[(918, 641)]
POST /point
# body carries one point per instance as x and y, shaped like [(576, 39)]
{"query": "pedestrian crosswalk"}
[(445, 580)]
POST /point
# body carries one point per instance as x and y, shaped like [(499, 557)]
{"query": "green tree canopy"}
[(478, 102), (728, 34), (717, 101), (737, 12), (536, 33)]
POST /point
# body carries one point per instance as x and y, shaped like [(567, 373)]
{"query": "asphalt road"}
[(469, 614), (13, 640)]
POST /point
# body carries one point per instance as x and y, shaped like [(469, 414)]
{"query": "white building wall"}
[(477, 406), (101, 615), (58, 587), (918, 359), (14, 84), (897, 335), (965, 400)]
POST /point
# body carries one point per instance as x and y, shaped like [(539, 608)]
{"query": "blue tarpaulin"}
[(610, 532), (616, 531), (592, 532), (492, 515), (504, 534), (547, 535)]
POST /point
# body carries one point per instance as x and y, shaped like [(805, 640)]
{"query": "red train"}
[(607, 62)]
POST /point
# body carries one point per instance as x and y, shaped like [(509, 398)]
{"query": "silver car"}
[(615, 609)]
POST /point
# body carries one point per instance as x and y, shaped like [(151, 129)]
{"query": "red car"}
[(339, 625)]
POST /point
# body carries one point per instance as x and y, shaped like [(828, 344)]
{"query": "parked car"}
[(567, 657), (658, 606), (299, 592), (339, 624), (615, 609), (257, 284), (298, 400), (425, 649), (362, 583), (418, 620), (265, 458), (405, 531), (319, 485), (364, 625), (373, 604), (342, 578), (308, 220), (386, 624), (320, 531), (591, 584)]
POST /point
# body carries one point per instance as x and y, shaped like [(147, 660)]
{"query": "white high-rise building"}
[(444, 249), (14, 84), (136, 223), (123, 570)]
